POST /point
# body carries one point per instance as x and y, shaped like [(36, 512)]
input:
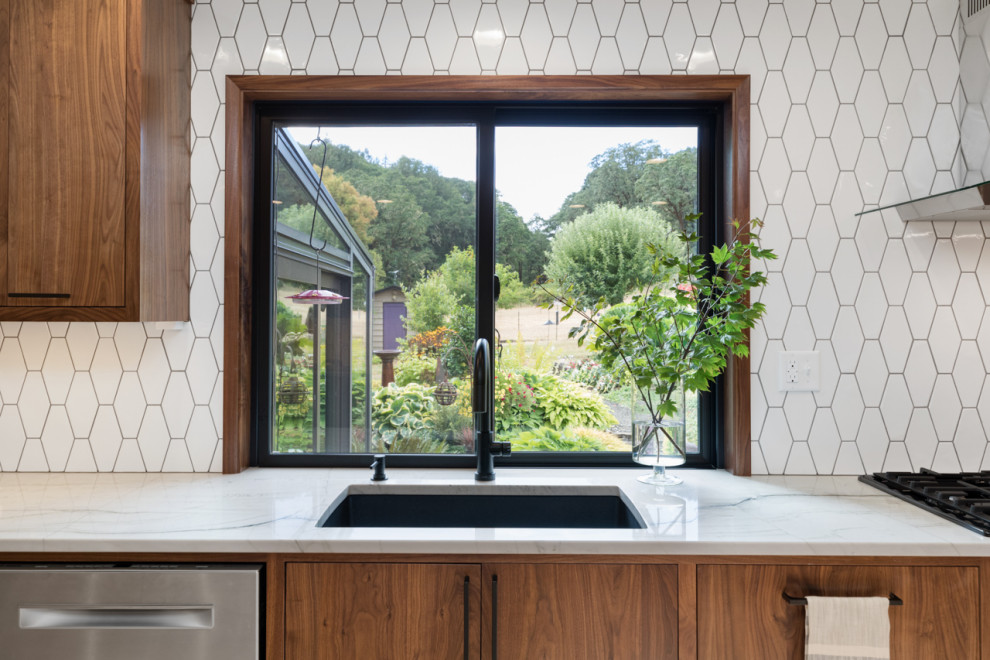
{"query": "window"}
[(499, 237)]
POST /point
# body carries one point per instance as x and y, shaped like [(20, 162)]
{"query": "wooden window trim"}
[(243, 92)]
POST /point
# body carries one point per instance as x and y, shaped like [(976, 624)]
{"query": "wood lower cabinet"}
[(382, 611), (640, 607), (580, 608), (580, 611), (742, 614), (366, 611), (94, 160)]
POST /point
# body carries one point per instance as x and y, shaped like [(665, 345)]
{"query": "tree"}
[(513, 292), (447, 204), (613, 178), (603, 254), (517, 246), (674, 182), (359, 209), (615, 172), (399, 237), (458, 273), (300, 217), (429, 304), (623, 176)]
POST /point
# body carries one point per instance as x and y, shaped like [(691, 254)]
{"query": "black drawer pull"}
[(37, 295), (467, 616), (801, 602), (494, 617)]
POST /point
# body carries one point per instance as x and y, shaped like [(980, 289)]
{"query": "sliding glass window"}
[(423, 227)]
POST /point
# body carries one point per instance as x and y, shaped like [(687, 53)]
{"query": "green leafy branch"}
[(690, 314)]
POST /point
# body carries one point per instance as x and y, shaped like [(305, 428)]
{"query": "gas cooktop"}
[(962, 497)]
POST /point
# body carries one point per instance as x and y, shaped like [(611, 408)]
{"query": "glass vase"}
[(659, 445)]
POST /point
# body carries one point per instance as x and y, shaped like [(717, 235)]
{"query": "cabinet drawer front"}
[(65, 220), (742, 614)]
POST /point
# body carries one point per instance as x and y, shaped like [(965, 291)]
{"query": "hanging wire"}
[(316, 200)]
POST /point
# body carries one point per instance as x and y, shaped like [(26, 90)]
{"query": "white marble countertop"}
[(275, 510)]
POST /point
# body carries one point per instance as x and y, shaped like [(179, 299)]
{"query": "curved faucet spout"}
[(482, 378), (485, 446)]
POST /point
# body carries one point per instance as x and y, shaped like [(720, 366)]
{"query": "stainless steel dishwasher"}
[(130, 612)]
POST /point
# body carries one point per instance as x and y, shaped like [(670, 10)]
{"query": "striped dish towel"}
[(847, 629)]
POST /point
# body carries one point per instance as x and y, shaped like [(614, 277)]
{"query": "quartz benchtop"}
[(266, 510)]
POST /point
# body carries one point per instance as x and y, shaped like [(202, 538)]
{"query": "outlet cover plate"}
[(799, 371)]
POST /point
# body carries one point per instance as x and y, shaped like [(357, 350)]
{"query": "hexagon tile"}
[(854, 104)]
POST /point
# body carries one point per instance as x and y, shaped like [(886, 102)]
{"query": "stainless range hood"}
[(969, 203)]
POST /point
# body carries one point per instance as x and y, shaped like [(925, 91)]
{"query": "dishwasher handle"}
[(183, 617)]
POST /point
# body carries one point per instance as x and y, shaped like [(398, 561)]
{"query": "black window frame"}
[(486, 116)]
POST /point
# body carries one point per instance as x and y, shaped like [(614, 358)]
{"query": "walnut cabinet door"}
[(382, 611), (579, 612), (66, 156), (742, 613)]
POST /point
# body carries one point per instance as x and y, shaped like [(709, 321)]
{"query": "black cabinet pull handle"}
[(801, 602), (37, 295), (467, 615), (494, 617)]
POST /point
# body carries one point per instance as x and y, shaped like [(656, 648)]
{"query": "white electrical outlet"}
[(799, 371)]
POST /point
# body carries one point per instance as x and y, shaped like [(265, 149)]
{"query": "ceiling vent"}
[(975, 9)]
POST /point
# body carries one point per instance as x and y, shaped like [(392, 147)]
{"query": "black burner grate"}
[(962, 497)]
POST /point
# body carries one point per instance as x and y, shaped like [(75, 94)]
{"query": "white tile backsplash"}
[(854, 104)]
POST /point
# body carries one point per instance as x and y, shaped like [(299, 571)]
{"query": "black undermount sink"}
[(403, 508)]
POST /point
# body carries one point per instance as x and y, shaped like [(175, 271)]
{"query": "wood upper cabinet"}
[(94, 159), (382, 611), (579, 611), (742, 614)]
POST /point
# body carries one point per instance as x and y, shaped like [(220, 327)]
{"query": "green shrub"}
[(428, 304), (414, 444), (568, 404), (412, 368), (610, 440), (289, 330), (358, 392), (549, 439), (513, 292), (459, 276), (515, 403), (407, 420), (603, 254), (453, 425), (457, 357), (457, 272), (586, 372), (399, 414)]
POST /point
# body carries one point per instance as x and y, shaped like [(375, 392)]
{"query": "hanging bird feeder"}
[(292, 391), (445, 393), (319, 295)]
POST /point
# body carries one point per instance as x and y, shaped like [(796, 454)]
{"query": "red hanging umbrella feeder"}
[(318, 296)]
